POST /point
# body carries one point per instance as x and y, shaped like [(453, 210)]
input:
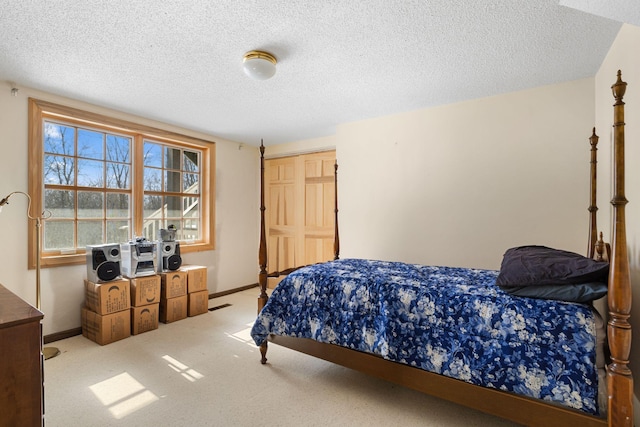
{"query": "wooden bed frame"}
[(509, 406)]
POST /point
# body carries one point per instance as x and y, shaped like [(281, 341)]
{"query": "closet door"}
[(300, 203), (319, 207), (280, 202)]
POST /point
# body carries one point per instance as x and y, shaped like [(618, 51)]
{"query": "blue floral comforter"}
[(452, 321)]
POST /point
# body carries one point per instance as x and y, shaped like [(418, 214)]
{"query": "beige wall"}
[(623, 56), (459, 184), (233, 264)]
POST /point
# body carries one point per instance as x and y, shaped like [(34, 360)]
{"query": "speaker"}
[(103, 262), (168, 256), (138, 258)]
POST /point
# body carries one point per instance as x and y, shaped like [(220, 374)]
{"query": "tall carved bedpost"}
[(262, 252), (619, 378), (593, 207), (336, 235)]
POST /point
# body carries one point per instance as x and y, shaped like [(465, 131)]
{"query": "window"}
[(87, 186), (105, 180), (171, 190)]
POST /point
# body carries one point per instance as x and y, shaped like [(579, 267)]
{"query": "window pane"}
[(59, 139), (118, 175), (58, 235), (118, 231), (190, 162), (118, 148), (173, 207), (90, 173), (118, 206), (90, 205), (172, 160), (190, 230), (151, 227), (191, 206), (152, 154), (152, 180), (90, 144), (58, 170), (172, 181), (89, 233), (60, 203), (152, 207), (191, 183), (193, 212)]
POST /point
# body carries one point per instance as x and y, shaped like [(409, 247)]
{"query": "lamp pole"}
[(48, 352), (38, 253)]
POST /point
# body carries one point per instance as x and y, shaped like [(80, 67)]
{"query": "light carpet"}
[(205, 371)]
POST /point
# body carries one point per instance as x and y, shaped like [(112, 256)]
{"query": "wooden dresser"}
[(21, 362)]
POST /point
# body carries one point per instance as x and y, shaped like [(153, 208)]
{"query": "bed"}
[(534, 361)]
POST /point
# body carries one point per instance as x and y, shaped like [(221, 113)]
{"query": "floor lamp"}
[(48, 352)]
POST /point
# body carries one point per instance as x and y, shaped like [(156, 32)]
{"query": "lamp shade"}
[(259, 65)]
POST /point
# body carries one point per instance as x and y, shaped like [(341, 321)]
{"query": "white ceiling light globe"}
[(259, 65)]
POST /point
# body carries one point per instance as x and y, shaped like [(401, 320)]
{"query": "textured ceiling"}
[(338, 61)]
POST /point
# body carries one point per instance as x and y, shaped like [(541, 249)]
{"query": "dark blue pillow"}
[(540, 265), (583, 292)]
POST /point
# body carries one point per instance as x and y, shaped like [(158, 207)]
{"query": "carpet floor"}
[(205, 371)]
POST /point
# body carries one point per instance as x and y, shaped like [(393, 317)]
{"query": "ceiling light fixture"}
[(259, 65)]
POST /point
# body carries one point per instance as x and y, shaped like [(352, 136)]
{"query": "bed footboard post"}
[(262, 252), (336, 235), (619, 378), (593, 207)]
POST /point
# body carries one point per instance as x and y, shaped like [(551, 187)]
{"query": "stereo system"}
[(138, 257), (103, 262)]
